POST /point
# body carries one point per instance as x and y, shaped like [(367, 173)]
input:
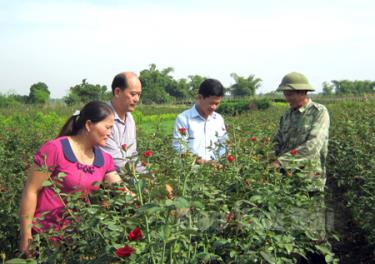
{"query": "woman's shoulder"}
[(54, 143)]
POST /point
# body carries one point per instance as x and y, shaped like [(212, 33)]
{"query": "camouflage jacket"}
[(305, 130)]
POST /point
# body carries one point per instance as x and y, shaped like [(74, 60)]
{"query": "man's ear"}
[(117, 91)]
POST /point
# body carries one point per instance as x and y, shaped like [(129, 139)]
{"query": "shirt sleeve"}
[(112, 148), (110, 165), (47, 156), (314, 143), (180, 134), (223, 138)]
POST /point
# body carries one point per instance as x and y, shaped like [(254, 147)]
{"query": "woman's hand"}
[(25, 242)]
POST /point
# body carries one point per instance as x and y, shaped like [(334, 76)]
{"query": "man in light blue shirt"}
[(200, 129)]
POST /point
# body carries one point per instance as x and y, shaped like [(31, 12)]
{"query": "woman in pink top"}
[(75, 153)]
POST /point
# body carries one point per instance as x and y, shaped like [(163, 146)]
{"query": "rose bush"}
[(242, 211)]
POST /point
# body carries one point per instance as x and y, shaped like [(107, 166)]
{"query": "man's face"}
[(129, 97), (208, 105), (295, 98)]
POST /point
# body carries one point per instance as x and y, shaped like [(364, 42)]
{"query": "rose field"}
[(243, 211)]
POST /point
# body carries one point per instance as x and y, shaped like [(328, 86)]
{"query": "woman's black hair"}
[(94, 111)]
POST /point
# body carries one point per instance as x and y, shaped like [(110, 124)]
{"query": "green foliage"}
[(237, 213), (22, 134), (240, 213), (159, 87), (244, 86), (86, 92), (235, 107), (39, 93), (353, 87), (155, 84), (8, 101), (194, 83), (160, 109), (327, 88), (352, 161)]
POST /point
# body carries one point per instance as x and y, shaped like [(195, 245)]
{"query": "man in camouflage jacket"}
[(301, 143), (302, 137)]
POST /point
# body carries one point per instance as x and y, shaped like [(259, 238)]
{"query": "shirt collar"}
[(69, 155), (194, 113), (303, 108)]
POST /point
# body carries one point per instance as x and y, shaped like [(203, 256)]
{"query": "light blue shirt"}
[(204, 138)]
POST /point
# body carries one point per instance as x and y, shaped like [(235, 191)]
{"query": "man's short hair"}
[(119, 81), (211, 87)]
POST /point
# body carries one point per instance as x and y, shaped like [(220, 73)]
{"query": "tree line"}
[(159, 86)]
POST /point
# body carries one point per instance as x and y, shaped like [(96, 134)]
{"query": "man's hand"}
[(200, 161), (276, 164)]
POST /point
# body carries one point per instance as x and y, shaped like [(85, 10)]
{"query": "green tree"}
[(179, 89), (327, 88), (353, 87), (194, 83), (86, 92), (39, 93), (155, 84), (244, 86)]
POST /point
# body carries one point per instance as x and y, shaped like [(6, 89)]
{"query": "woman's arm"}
[(28, 205), (113, 177)]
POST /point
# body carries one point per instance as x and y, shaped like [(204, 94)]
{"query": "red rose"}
[(230, 158), (148, 153), (125, 251), (253, 139), (293, 152), (124, 147), (135, 234), (182, 131)]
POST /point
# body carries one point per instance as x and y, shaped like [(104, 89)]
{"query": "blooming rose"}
[(182, 131), (230, 158), (124, 147), (125, 251), (135, 234), (148, 153), (253, 139), (293, 152)]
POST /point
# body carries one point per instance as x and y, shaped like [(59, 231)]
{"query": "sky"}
[(62, 42)]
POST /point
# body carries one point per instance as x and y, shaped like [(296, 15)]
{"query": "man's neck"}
[(303, 103), (200, 112), (121, 114)]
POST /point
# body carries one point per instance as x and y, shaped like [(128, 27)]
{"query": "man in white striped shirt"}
[(122, 144)]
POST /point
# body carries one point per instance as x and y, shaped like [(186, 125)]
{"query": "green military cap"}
[(295, 81)]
